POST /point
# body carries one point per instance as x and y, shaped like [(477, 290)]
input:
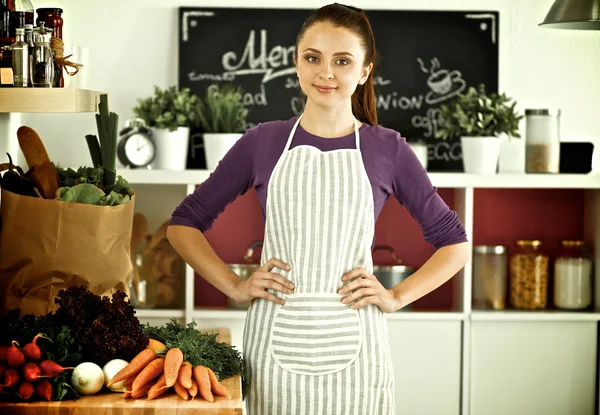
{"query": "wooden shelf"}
[(441, 180), (48, 100)]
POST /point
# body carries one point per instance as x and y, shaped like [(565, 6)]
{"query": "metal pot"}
[(245, 271), (391, 275)]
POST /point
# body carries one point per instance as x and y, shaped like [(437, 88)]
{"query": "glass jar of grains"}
[(573, 276), (529, 276), (542, 140)]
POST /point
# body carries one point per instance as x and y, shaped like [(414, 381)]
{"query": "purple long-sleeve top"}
[(392, 167)]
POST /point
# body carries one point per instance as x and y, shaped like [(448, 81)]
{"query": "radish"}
[(32, 372), (25, 390), (44, 390), (32, 351), (49, 368), (14, 356), (11, 378)]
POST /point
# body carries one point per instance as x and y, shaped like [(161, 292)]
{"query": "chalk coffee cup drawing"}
[(441, 81)]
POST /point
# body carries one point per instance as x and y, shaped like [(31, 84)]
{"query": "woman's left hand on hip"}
[(364, 288)]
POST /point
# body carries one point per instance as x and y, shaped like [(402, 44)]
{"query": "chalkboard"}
[(425, 59)]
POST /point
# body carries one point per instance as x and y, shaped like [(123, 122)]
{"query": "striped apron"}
[(314, 355)]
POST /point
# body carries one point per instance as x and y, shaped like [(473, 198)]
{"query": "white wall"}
[(133, 45)]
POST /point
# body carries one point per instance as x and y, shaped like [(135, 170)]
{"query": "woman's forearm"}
[(193, 247), (442, 266)]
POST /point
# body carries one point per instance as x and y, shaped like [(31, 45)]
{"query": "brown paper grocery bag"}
[(47, 245)]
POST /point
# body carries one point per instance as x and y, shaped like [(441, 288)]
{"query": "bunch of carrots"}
[(151, 374)]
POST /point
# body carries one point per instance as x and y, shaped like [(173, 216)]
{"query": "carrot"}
[(193, 391), (127, 393), (203, 381), (153, 370), (138, 393), (216, 387), (185, 375), (173, 361), (156, 345), (158, 388), (181, 391), (129, 381), (134, 367)]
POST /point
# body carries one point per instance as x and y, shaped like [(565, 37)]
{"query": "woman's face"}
[(330, 64)]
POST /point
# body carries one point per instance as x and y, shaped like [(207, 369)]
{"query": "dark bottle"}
[(52, 17)]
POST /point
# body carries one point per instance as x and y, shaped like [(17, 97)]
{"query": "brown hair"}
[(351, 18)]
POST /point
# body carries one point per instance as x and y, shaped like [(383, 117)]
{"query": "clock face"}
[(139, 150)]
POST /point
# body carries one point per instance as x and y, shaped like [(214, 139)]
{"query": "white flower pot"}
[(216, 145), (480, 154), (171, 148)]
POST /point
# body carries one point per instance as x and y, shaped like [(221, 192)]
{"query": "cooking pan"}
[(391, 275), (245, 271)]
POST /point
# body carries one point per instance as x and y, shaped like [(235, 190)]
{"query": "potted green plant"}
[(170, 114), (479, 119), (222, 116)]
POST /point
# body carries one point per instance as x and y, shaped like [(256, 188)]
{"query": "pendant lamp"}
[(573, 14)]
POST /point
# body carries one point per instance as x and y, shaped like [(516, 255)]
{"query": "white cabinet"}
[(533, 367), (426, 358)]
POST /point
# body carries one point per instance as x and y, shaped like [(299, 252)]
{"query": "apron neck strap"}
[(291, 136)]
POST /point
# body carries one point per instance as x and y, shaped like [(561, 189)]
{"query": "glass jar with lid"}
[(529, 276), (52, 18), (573, 276), (542, 140), (490, 279)]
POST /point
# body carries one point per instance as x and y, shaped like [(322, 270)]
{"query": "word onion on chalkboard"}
[(425, 59)]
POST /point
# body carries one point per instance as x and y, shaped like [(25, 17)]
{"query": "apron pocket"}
[(315, 334)]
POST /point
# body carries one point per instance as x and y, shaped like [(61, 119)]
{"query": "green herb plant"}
[(169, 109), (478, 114), (223, 110)]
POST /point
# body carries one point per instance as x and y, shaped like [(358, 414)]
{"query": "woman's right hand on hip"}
[(256, 286)]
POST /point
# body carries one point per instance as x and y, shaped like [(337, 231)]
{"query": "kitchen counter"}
[(114, 404)]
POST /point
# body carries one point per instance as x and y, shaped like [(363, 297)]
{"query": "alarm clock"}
[(136, 145)]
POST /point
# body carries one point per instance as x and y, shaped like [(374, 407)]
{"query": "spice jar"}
[(490, 282), (529, 276), (542, 141), (573, 276), (52, 18)]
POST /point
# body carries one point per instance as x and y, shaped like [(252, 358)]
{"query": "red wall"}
[(501, 216)]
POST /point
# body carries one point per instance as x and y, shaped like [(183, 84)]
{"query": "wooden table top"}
[(114, 404)]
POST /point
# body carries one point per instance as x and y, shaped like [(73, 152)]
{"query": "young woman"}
[(315, 340)]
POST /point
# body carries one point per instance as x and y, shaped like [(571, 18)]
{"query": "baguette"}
[(32, 147), (42, 172)]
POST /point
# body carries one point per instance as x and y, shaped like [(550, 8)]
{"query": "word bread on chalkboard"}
[(425, 58)]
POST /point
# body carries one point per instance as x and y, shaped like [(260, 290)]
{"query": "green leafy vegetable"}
[(105, 329), (82, 193)]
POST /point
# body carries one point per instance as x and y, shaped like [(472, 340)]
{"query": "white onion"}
[(87, 378), (110, 370)]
